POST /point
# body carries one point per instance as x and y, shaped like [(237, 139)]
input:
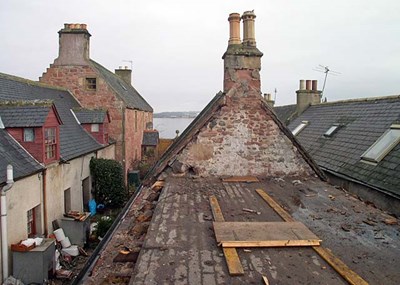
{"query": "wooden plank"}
[(158, 184), (265, 279), (281, 212), (232, 258), (247, 179), (270, 243), (340, 267)]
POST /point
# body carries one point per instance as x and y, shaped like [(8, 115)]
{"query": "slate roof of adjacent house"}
[(285, 113), (125, 91), (74, 140), (86, 116), (17, 114), (12, 153), (362, 122), (150, 138)]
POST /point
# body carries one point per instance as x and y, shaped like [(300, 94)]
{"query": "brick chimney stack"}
[(242, 61), (307, 95), (125, 74), (73, 45)]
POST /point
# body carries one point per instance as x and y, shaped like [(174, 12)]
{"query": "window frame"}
[(31, 222), (93, 129), (50, 143), (300, 128), (335, 128), (383, 152), (91, 83), (25, 130)]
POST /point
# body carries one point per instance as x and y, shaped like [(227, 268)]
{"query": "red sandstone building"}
[(98, 88)]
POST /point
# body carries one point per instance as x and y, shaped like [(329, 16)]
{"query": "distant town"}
[(185, 114)]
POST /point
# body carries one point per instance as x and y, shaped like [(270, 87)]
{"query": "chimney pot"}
[(308, 84), (234, 29), (314, 85), (248, 28), (302, 85)]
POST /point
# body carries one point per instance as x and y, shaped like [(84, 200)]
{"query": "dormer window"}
[(50, 143), (94, 128), (332, 130), (29, 135), (299, 128), (91, 84), (383, 145)]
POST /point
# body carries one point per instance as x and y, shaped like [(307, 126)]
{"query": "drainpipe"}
[(4, 239)]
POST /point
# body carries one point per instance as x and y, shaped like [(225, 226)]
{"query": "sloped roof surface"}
[(150, 138), (363, 122), (74, 140), (125, 91), (285, 113), (12, 153), (23, 115), (86, 116)]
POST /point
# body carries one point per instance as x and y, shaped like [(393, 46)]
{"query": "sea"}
[(167, 126)]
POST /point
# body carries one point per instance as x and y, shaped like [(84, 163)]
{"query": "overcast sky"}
[(176, 45)]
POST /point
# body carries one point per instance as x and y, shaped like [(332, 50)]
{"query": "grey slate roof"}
[(17, 114), (364, 121), (285, 113), (74, 140), (150, 138), (12, 153), (86, 116), (125, 91)]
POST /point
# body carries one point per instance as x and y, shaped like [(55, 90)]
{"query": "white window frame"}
[(32, 134), (332, 130), (299, 128), (384, 150)]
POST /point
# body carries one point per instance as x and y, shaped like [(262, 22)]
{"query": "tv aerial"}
[(326, 70)]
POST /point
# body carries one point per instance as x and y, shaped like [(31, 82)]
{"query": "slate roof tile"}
[(86, 116)]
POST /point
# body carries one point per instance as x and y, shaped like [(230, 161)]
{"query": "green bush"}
[(108, 182), (103, 225)]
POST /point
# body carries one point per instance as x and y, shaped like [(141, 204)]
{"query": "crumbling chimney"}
[(125, 74), (269, 100), (73, 45), (307, 95), (242, 61)]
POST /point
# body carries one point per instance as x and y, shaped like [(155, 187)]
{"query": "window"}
[(95, 128), (299, 128), (332, 130), (50, 143), (67, 200), (383, 145), (91, 84), (29, 135), (31, 225), (135, 121)]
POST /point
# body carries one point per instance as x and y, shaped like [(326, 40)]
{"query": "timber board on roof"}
[(126, 92), (362, 122), (74, 140)]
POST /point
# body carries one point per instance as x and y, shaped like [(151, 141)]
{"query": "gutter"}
[(90, 263)]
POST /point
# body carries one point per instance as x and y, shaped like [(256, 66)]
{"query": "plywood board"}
[(262, 232), (241, 179)]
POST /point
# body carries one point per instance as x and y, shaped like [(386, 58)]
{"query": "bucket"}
[(65, 243), (59, 233)]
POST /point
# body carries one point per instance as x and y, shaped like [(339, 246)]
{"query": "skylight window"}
[(299, 128), (332, 130), (383, 145)]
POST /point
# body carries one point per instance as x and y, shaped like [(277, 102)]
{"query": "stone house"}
[(95, 87), (355, 142), (50, 153)]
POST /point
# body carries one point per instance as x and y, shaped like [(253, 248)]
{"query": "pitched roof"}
[(86, 116), (74, 140), (15, 114), (285, 113), (150, 138), (125, 91), (11, 152), (362, 122)]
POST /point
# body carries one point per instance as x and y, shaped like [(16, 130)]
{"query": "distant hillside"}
[(187, 114)]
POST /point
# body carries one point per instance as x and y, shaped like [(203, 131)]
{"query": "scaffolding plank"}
[(270, 243)]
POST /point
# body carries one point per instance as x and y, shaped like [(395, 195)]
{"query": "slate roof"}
[(19, 114), (150, 138), (86, 116), (364, 121), (125, 91), (285, 113), (74, 140), (12, 153)]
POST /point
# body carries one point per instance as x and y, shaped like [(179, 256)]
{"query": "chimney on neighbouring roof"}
[(242, 61), (307, 95), (73, 45), (268, 99), (125, 74)]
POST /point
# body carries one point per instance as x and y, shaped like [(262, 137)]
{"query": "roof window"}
[(332, 130), (383, 145), (299, 128)]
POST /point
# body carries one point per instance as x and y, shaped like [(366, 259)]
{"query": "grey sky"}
[(176, 45)]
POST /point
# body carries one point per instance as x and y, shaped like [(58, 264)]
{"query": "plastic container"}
[(72, 250), (59, 233), (65, 242)]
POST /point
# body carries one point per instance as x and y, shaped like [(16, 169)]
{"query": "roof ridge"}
[(27, 102), (355, 100), (31, 82)]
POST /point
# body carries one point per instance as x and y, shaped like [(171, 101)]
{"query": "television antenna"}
[(130, 61), (326, 70)]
